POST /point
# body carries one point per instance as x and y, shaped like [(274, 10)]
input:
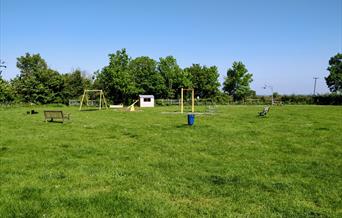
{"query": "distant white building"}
[(146, 100)]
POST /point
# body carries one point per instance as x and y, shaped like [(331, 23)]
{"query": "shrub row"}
[(332, 99), (328, 99)]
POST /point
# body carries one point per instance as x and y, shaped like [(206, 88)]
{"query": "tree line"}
[(122, 80)]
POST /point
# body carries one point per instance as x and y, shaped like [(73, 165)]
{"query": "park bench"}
[(56, 114), (264, 111)]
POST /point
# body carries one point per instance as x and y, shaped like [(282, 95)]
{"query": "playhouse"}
[(146, 100)]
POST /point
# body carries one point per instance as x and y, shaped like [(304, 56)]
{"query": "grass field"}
[(233, 163)]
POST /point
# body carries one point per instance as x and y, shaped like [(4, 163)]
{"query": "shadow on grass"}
[(57, 121), (87, 110), (3, 148), (183, 126), (261, 117)]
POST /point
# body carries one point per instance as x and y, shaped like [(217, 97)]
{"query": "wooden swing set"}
[(102, 101)]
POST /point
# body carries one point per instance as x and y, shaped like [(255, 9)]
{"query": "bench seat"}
[(56, 115)]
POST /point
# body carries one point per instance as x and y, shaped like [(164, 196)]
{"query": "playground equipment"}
[(101, 103), (146, 100), (116, 106), (131, 107), (192, 100), (74, 102), (264, 112), (210, 106)]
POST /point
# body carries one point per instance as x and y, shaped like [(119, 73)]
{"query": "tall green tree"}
[(74, 84), (175, 78), (116, 79), (146, 77), (334, 80), (204, 80), (169, 70), (183, 80), (37, 83), (237, 82)]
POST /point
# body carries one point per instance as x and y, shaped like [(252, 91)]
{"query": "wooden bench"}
[(57, 115), (264, 111)]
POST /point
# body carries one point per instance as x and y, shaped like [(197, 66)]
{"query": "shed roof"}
[(146, 96)]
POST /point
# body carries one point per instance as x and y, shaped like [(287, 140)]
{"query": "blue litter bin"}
[(191, 119)]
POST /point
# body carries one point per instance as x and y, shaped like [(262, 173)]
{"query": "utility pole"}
[(271, 88), (315, 78)]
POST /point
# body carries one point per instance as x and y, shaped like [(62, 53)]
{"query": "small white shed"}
[(146, 100)]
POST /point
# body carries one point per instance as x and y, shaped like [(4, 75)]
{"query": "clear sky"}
[(284, 43)]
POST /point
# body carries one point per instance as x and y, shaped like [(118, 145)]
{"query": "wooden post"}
[(104, 101), (100, 100), (182, 100), (193, 101), (82, 99)]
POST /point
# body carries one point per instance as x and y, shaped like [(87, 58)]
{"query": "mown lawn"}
[(233, 163)]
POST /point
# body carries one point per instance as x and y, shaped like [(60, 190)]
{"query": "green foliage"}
[(174, 77), (36, 82), (116, 79), (204, 80), (149, 164), (122, 80), (146, 77), (31, 64), (74, 84), (237, 82), (334, 80), (296, 99), (221, 99), (331, 99), (6, 92)]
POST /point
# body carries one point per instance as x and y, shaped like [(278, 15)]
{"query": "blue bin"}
[(191, 119)]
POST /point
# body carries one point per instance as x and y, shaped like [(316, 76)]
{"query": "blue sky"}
[(283, 43)]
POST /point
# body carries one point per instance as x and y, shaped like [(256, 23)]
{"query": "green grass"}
[(233, 163)]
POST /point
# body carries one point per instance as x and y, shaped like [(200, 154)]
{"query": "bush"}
[(222, 99), (297, 99), (330, 99), (6, 92)]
